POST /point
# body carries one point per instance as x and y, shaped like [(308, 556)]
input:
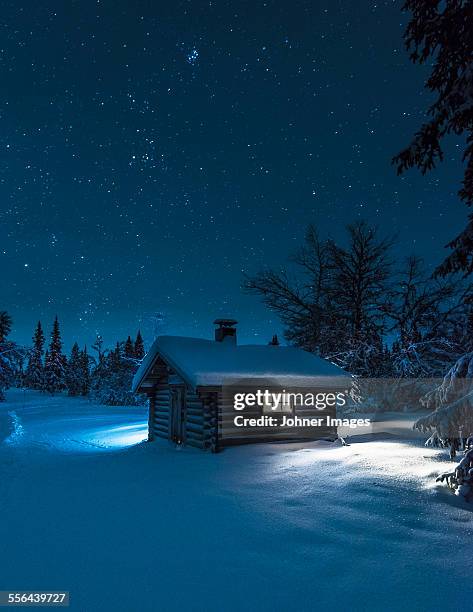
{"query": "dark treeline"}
[(361, 308), (12, 357), (104, 375)]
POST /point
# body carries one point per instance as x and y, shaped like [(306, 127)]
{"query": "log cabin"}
[(191, 384)]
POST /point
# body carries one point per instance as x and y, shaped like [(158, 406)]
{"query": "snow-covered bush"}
[(451, 421), (461, 479), (112, 377), (7, 372), (12, 356)]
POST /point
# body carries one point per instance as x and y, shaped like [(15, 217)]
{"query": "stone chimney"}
[(226, 331)]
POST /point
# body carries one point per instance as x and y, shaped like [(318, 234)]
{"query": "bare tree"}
[(360, 281), (333, 305), (300, 302)]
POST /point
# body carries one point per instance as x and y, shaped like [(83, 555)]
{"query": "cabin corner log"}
[(215, 423)]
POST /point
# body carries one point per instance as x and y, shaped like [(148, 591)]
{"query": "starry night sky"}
[(152, 151)]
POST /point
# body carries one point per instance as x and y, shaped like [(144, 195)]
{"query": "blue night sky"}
[(152, 151)]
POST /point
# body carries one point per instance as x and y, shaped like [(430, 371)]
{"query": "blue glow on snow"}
[(116, 438)]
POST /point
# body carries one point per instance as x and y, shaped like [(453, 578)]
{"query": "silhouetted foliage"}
[(440, 33), (34, 377), (55, 362)]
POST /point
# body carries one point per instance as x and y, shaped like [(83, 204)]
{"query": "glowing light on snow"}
[(18, 429), (117, 437), (402, 461)]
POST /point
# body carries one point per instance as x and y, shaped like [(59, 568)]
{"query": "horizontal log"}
[(194, 411), (162, 422), (195, 420), (161, 434), (163, 413), (163, 416), (192, 435), (196, 444), (190, 406), (194, 428), (268, 436), (193, 399)]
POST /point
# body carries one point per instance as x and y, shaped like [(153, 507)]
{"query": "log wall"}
[(208, 421), (161, 413), (230, 434)]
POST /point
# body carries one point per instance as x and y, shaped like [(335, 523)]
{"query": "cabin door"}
[(177, 415)]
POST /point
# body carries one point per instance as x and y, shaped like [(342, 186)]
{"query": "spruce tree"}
[(7, 349), (35, 370), (5, 325), (74, 372), (139, 346), (85, 371), (55, 362), (129, 349)]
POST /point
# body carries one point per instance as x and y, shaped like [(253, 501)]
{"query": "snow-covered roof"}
[(209, 363)]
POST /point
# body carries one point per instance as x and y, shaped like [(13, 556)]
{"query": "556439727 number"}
[(34, 598)]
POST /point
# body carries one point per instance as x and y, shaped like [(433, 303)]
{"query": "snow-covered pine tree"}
[(111, 379), (421, 310), (55, 362), (139, 347), (461, 325), (7, 354), (5, 325), (451, 422), (444, 337), (129, 348), (461, 478), (74, 372), (85, 372), (439, 34), (35, 369)]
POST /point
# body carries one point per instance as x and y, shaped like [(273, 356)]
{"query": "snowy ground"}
[(137, 527)]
